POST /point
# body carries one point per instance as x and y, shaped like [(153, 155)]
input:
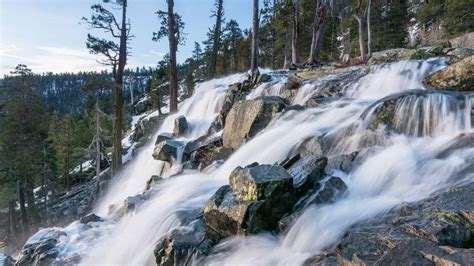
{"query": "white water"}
[(404, 169)]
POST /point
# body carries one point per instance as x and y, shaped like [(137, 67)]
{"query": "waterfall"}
[(403, 167)]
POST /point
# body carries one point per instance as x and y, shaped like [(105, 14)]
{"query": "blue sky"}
[(47, 34)]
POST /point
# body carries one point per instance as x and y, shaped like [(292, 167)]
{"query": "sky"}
[(48, 36)]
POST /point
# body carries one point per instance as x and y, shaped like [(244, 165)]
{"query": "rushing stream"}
[(403, 168)]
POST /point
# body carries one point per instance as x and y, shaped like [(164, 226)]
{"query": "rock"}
[(341, 162), (206, 154), (262, 194), (225, 215), (464, 41), (254, 183), (6, 260), (181, 243), (311, 146), (41, 249), (264, 78), (288, 162), (463, 141), (458, 76), (248, 117), (292, 83), (323, 259), (154, 179), (392, 55), (306, 172), (233, 95), (318, 101), (457, 54), (162, 137), (288, 220), (180, 126), (384, 111), (325, 192), (132, 202), (426, 232), (422, 54), (169, 150), (142, 106), (91, 218)]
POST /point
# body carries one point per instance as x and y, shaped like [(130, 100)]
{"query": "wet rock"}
[(263, 195), (212, 151), (457, 54), (169, 150), (225, 215), (288, 162), (288, 220), (325, 192), (181, 243), (341, 162), (133, 202), (311, 146), (41, 249), (264, 78), (292, 83), (233, 95), (162, 137), (463, 41), (392, 55), (318, 101), (254, 183), (458, 76), (384, 111), (180, 126), (6, 260), (154, 179), (91, 218), (248, 117), (324, 259), (306, 172), (462, 141), (426, 232)]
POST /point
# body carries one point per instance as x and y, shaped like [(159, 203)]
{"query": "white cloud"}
[(48, 59)]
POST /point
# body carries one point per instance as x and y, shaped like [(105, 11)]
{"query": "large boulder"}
[(458, 76), (385, 112), (258, 182), (248, 117), (433, 231), (180, 126), (259, 195), (41, 248), (210, 151), (162, 137), (392, 55), (464, 41)]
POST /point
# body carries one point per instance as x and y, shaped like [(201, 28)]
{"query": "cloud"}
[(49, 59), (64, 59)]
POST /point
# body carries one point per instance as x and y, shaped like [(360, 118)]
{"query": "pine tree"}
[(116, 57)]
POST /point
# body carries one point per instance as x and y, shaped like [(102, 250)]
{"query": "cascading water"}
[(403, 168)]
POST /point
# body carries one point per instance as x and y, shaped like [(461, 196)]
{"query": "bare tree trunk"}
[(173, 45), (117, 138), (254, 61), (97, 146), (21, 200), (216, 40), (295, 32), (319, 28), (361, 21), (369, 31), (12, 222), (285, 59)]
